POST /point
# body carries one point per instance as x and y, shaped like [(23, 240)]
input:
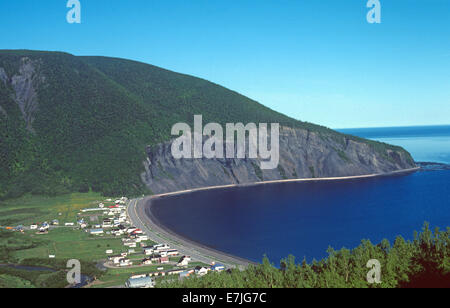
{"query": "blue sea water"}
[(304, 219)]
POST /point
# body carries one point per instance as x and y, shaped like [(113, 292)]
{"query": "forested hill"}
[(72, 123)]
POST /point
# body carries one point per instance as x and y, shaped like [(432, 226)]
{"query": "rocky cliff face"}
[(303, 154), (24, 85)]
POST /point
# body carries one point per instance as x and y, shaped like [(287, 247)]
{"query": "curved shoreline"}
[(143, 217), (157, 232)]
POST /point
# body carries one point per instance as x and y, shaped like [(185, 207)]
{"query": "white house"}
[(160, 247), (172, 252), (201, 271), (184, 261), (125, 262), (143, 237), (96, 231), (148, 251)]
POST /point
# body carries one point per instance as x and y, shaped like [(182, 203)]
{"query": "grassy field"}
[(63, 242), (66, 243), (30, 209)]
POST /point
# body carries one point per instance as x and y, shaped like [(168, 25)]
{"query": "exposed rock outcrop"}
[(25, 85), (303, 154), (3, 76)]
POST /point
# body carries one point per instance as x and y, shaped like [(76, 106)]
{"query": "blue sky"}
[(318, 61)]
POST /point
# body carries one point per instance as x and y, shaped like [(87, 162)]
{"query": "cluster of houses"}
[(115, 221), (159, 253), (116, 216), (202, 270), (155, 254), (44, 227), (149, 281)]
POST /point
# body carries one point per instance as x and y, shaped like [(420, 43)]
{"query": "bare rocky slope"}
[(303, 154)]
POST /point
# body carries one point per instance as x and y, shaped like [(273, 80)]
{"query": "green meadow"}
[(30, 208), (65, 243), (32, 249)]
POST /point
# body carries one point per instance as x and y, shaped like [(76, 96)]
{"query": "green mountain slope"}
[(72, 123)]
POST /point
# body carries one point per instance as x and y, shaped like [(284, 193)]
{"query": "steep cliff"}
[(303, 154)]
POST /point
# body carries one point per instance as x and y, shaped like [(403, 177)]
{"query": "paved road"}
[(140, 220)]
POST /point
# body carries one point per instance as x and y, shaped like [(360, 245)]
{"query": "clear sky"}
[(318, 61)]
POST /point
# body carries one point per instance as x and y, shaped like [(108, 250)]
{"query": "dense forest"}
[(72, 123), (423, 262)]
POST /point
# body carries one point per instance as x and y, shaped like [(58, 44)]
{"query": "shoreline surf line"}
[(143, 211), (352, 177)]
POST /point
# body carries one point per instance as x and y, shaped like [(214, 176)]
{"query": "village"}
[(110, 220)]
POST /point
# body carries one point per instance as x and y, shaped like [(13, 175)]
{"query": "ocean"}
[(304, 219)]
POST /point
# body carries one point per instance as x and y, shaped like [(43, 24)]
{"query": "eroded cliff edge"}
[(303, 154)]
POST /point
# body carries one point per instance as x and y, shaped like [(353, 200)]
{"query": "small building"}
[(164, 260), (140, 283), (147, 261), (125, 262), (155, 258), (143, 237), (130, 244), (137, 231), (184, 261), (106, 223), (201, 271), (217, 267), (148, 251), (115, 259), (172, 253), (96, 231), (160, 247)]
